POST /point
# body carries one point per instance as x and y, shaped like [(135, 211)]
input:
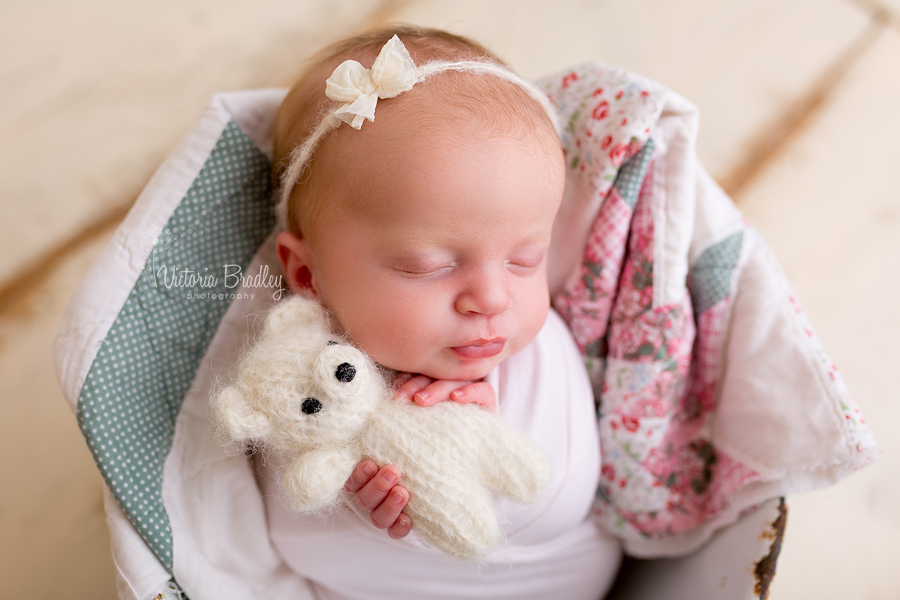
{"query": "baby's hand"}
[(377, 492), (426, 391)]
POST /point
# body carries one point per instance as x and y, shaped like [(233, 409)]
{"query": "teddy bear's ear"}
[(295, 312), (240, 420)]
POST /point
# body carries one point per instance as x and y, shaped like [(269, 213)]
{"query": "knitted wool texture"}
[(302, 390)]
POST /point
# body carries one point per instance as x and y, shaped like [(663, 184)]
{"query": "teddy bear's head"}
[(299, 386)]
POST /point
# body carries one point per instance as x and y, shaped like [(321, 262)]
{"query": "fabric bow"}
[(393, 73)]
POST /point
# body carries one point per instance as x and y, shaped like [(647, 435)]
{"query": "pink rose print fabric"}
[(659, 368)]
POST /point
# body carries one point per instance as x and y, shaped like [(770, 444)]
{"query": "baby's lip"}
[(480, 348)]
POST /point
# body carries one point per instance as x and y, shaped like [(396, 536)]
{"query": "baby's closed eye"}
[(422, 265), (422, 270), (526, 262)]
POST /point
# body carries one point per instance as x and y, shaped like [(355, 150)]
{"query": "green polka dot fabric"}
[(709, 279), (631, 175), (135, 387)]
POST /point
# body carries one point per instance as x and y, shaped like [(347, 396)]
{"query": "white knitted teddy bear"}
[(326, 404)]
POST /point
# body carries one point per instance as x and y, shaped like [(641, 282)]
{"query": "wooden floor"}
[(800, 122)]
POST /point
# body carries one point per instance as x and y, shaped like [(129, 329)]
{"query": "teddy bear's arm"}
[(239, 418), (315, 478)]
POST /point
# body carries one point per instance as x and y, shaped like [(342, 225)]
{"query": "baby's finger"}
[(437, 391), (401, 527), (387, 513), (373, 493), (361, 475), (480, 393), (409, 388), (401, 378)]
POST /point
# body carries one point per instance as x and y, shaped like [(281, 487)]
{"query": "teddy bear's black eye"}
[(345, 372), (311, 406), (332, 343)]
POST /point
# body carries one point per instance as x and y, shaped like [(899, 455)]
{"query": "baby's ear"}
[(240, 420), (297, 262)]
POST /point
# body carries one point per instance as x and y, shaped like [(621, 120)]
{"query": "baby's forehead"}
[(427, 126), (425, 167)]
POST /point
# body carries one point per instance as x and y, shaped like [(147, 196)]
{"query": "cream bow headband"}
[(358, 90), (393, 73)]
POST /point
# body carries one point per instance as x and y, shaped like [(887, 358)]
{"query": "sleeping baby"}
[(419, 180)]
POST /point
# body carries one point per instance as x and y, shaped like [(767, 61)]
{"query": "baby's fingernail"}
[(390, 476), (422, 397), (369, 470), (403, 520), (457, 395), (396, 496)]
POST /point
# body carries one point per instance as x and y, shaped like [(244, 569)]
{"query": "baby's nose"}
[(484, 295)]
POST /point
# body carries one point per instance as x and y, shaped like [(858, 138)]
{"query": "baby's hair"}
[(305, 116)]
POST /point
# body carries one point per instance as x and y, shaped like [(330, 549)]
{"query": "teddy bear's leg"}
[(457, 517), (516, 467), (314, 479)]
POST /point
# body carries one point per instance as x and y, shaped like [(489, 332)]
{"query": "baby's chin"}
[(467, 371)]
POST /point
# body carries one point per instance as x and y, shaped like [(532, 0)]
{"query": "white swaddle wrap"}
[(553, 547)]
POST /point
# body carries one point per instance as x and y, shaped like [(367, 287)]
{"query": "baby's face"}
[(431, 249)]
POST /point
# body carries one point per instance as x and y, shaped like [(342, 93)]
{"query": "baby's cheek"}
[(534, 319), (389, 342)]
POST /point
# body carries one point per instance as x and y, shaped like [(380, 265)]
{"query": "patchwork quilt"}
[(713, 392)]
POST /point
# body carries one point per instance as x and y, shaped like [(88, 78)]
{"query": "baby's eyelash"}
[(527, 263), (523, 269), (422, 272)]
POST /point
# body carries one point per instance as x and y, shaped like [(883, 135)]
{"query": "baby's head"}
[(426, 231)]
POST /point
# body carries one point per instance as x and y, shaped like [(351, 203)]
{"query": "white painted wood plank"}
[(95, 93), (829, 206), (742, 62), (52, 523)]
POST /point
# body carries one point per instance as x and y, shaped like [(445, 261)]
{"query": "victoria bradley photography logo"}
[(218, 284)]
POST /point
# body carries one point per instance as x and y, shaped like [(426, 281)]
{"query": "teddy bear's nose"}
[(345, 372), (311, 406)]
